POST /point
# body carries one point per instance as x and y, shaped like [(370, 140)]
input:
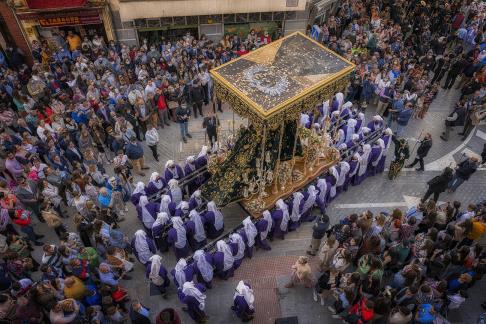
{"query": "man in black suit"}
[(422, 152), (211, 123), (197, 96), (73, 154)]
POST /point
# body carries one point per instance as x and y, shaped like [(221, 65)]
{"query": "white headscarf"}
[(286, 217), (347, 105), (389, 133), (363, 159), (322, 185), (189, 289), (147, 218), (236, 238), (184, 205), (139, 188), (345, 167), (142, 247), (381, 144), (350, 129), (175, 191), (204, 152), (311, 200), (169, 163), (203, 265), (162, 219), (228, 258), (196, 195), (156, 263), (340, 99), (218, 217), (246, 292), (250, 231), (199, 234), (190, 162), (164, 204), (335, 173), (156, 180), (179, 274), (178, 225), (295, 212), (268, 217)]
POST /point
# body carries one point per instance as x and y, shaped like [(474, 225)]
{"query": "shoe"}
[(483, 305), (461, 133), (310, 253), (419, 169), (38, 243), (331, 309), (443, 138), (141, 174), (167, 124), (336, 316), (145, 167), (39, 236), (289, 285), (157, 159), (189, 135), (126, 277), (121, 219), (409, 166), (184, 140)]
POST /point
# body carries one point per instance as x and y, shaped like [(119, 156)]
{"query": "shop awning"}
[(63, 18)]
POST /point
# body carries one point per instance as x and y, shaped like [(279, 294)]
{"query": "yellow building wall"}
[(153, 9)]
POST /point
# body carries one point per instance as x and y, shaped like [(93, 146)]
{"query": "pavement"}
[(269, 271)]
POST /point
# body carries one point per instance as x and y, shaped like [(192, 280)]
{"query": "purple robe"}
[(353, 165), (381, 165), (169, 176), (181, 214), (208, 221), (135, 198), (261, 226), (162, 274), (234, 248), (200, 278), (159, 238), (192, 304), (218, 261), (151, 189), (172, 238), (153, 209), (359, 122), (193, 204), (307, 216), (188, 271), (191, 231), (277, 216), (172, 209), (150, 244), (371, 125), (330, 181), (241, 307), (294, 225), (374, 155), (248, 249)]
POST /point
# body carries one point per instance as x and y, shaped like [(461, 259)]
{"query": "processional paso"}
[(274, 156)]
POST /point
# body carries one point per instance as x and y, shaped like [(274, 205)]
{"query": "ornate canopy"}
[(277, 82)]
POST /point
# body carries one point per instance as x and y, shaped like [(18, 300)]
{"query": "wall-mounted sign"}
[(51, 4), (63, 18)]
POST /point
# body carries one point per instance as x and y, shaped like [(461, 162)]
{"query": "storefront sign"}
[(64, 18), (51, 4)]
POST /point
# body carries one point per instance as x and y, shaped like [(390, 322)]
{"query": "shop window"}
[(153, 22), (128, 24), (180, 20), (140, 23), (229, 18), (241, 17), (166, 21), (254, 16), (290, 15), (279, 15), (266, 16), (192, 20), (210, 19)]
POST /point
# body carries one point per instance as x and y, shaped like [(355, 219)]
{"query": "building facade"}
[(136, 20)]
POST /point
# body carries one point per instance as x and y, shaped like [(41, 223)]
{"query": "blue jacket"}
[(134, 151), (404, 116)]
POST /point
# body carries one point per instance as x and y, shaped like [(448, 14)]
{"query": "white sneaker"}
[(314, 295), (331, 309)]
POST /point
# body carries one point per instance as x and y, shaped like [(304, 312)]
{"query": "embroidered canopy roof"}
[(278, 81)]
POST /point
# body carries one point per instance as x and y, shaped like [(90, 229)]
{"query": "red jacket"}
[(22, 217)]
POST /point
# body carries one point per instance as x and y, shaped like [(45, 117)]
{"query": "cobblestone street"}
[(268, 272)]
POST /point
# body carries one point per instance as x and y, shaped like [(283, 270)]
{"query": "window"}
[(229, 18), (292, 3), (254, 16), (166, 20), (241, 17)]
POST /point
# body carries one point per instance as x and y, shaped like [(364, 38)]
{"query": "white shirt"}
[(152, 137)]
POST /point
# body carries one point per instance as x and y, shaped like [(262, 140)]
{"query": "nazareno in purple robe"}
[(353, 169), (277, 216), (135, 198), (248, 249), (192, 304), (153, 209), (234, 249), (372, 126), (381, 165), (191, 231), (179, 174), (151, 189), (261, 226), (241, 307), (374, 155), (150, 244), (162, 274), (208, 220), (218, 261), (294, 225), (159, 238), (188, 271), (172, 238), (197, 272)]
